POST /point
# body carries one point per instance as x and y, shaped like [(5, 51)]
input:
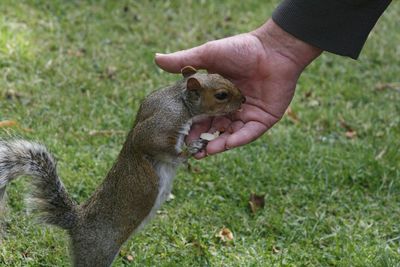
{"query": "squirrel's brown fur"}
[(140, 179)]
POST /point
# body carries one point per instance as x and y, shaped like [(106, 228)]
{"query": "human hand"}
[(265, 65)]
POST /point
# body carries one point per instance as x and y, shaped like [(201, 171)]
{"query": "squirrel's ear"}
[(193, 84), (187, 71)]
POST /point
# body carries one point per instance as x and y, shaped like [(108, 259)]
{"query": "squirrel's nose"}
[(243, 100)]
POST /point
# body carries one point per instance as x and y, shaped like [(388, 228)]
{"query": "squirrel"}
[(141, 178)]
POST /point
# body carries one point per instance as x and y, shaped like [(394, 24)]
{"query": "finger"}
[(248, 133), (236, 126), (257, 114), (220, 124), (174, 62), (200, 155), (197, 129), (219, 145)]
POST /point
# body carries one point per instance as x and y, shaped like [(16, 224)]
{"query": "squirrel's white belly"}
[(166, 171)]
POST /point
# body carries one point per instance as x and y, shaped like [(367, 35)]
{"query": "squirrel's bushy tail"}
[(49, 196)]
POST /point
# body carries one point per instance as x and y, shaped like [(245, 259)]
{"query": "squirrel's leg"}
[(93, 247)]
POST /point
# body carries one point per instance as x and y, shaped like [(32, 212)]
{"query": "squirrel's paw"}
[(196, 146)]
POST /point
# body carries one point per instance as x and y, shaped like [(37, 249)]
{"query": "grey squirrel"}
[(141, 178)]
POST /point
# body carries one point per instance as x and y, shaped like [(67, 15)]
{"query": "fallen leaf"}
[(313, 103), (5, 124), (126, 256), (345, 125), (292, 115), (380, 154), (12, 95), (351, 134), (129, 258), (76, 53), (110, 72), (275, 249), (8, 124), (225, 235), (384, 86), (256, 202)]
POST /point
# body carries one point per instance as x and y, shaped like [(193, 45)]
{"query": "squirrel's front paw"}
[(196, 146)]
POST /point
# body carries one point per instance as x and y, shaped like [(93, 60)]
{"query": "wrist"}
[(275, 39)]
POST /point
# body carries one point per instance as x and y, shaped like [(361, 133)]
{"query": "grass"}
[(72, 67)]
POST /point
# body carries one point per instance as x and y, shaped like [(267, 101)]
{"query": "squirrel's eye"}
[(221, 95)]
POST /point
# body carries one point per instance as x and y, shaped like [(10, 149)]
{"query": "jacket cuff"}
[(337, 26)]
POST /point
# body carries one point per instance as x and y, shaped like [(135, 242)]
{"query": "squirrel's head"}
[(211, 94)]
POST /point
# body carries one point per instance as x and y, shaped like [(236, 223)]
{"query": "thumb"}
[(174, 62)]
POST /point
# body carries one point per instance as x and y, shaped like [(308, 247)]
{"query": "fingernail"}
[(159, 54)]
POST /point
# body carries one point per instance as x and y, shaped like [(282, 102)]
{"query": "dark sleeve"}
[(337, 26)]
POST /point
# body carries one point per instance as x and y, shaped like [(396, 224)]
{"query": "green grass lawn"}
[(68, 68)]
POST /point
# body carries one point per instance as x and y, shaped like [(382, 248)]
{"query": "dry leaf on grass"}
[(351, 134), (110, 72), (225, 235), (313, 103), (76, 53), (380, 154), (126, 256), (383, 86), (4, 124), (8, 123), (12, 95), (345, 125), (275, 250), (129, 258), (256, 202)]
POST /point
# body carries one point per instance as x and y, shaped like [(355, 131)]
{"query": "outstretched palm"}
[(265, 76)]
